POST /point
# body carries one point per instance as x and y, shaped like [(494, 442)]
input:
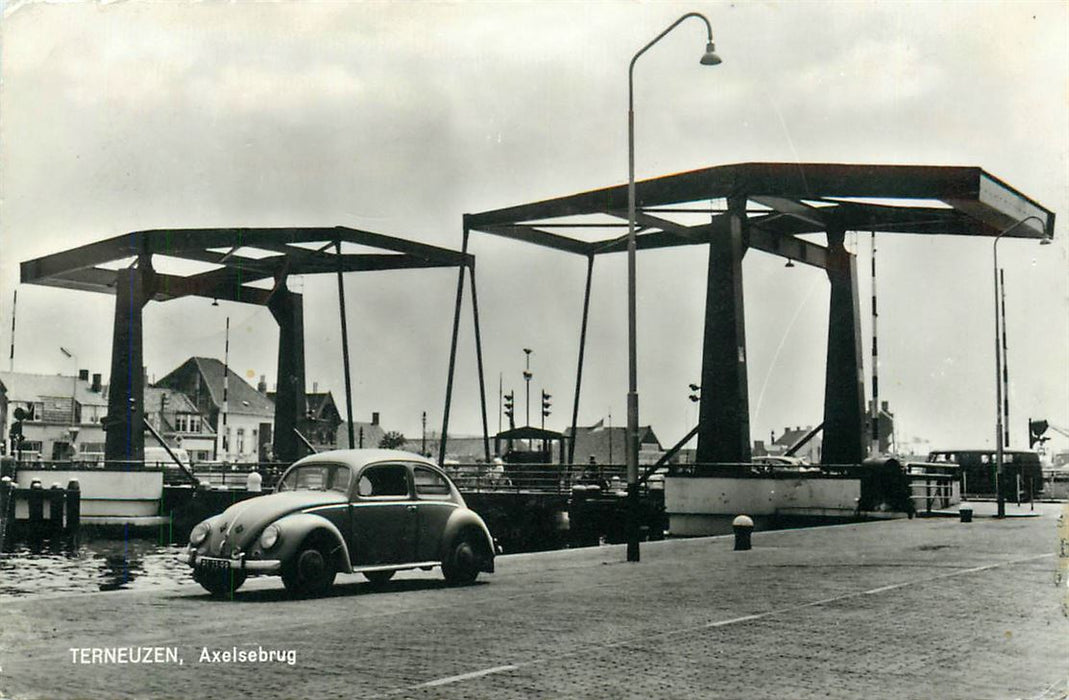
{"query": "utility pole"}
[(226, 390)]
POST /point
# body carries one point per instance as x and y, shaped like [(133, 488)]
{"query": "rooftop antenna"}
[(14, 303)]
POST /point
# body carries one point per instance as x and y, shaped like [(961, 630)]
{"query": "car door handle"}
[(412, 508)]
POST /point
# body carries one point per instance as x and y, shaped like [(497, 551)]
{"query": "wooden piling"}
[(74, 505)]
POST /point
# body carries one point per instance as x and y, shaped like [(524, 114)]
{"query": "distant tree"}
[(392, 440)]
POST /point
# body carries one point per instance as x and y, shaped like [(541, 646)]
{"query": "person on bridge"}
[(592, 476)]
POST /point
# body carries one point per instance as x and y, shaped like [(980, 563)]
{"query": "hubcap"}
[(465, 556), (311, 565)]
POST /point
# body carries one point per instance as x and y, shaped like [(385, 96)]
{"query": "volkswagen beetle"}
[(373, 512)]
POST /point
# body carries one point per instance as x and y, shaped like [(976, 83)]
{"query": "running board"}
[(394, 567)]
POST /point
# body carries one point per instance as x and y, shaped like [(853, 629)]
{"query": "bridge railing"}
[(539, 478)]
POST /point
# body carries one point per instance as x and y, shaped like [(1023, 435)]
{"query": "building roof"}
[(792, 435), (176, 401), (319, 404), (241, 397), (607, 445), (372, 434), (30, 388)]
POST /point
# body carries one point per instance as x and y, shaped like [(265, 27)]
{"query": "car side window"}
[(430, 485), (384, 481), (339, 480)]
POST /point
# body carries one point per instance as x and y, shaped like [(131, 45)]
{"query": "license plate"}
[(214, 564)]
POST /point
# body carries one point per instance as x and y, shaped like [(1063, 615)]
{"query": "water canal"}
[(89, 566)]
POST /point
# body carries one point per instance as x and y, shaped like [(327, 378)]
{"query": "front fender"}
[(297, 527), (461, 521)]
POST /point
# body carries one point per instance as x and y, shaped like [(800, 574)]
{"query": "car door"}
[(383, 516), (435, 504)]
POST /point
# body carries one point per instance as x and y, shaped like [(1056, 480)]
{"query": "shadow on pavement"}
[(339, 590)]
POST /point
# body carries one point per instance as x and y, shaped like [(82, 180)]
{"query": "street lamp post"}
[(74, 383), (999, 498), (708, 59)]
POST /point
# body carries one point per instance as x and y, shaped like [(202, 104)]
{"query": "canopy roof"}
[(782, 201), (529, 432), (229, 263)]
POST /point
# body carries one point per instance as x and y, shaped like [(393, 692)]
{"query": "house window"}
[(241, 440), (61, 450), (31, 446)]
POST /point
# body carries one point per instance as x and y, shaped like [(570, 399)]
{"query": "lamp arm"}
[(644, 49)]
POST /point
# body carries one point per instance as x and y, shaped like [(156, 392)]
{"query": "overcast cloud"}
[(401, 117)]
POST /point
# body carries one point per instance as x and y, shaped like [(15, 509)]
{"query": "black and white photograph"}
[(491, 349)]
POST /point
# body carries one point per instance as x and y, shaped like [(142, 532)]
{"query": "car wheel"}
[(378, 578), (219, 583), (311, 572), (461, 566)]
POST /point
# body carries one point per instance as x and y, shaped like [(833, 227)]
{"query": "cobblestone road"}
[(898, 609)]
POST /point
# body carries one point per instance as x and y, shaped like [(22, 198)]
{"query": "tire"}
[(219, 583), (378, 578), (461, 566), (311, 572)]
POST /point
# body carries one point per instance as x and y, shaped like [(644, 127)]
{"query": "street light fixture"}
[(527, 374), (709, 58), (999, 498)]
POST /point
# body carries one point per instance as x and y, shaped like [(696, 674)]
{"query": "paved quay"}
[(919, 608)]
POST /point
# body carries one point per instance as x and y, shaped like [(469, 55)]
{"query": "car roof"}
[(357, 458)]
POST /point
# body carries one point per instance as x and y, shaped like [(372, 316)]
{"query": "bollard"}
[(35, 500), (743, 526), (965, 512), (253, 482), (7, 508), (55, 508), (7, 487), (74, 505), (7, 500)]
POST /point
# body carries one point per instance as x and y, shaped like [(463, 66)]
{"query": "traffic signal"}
[(20, 414), (546, 404), (508, 406), (1036, 428)]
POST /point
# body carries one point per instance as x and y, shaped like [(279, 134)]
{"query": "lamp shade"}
[(710, 58)]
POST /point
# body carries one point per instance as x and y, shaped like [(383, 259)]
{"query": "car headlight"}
[(270, 536), (199, 534)]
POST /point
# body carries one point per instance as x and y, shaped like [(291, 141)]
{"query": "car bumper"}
[(251, 566)]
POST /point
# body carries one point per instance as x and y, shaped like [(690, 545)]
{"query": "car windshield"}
[(316, 477)]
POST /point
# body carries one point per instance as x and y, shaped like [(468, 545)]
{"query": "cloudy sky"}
[(400, 117)]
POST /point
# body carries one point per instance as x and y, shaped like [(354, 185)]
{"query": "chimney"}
[(96, 383), (884, 406), (315, 387), (375, 418), (262, 385), (83, 374)]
